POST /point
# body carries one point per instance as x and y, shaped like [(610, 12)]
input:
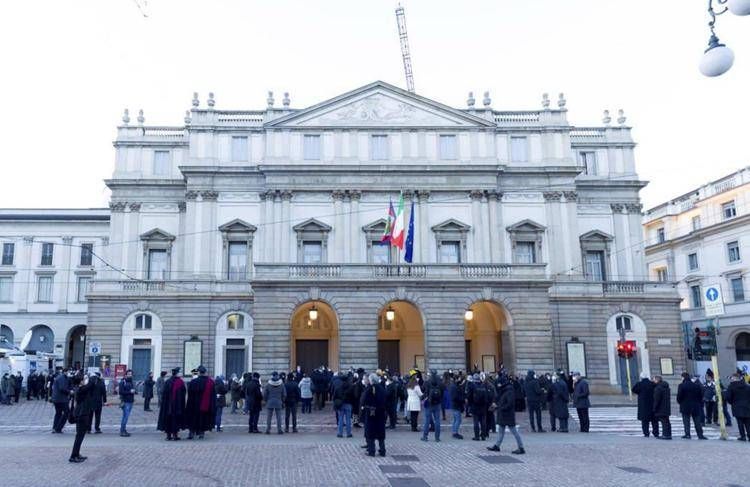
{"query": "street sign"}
[(95, 348), (714, 305)]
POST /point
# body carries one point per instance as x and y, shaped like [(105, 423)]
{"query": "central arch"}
[(401, 339), (75, 347), (486, 337), (314, 337)]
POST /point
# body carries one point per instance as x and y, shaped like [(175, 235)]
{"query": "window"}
[(87, 254), (83, 288), (518, 149), (312, 252), (525, 252), (379, 147), (728, 210), (742, 347), (161, 163), (738, 289), (157, 264), (696, 221), (235, 321), (143, 322), (44, 289), (239, 149), (623, 323), (6, 289), (733, 251), (588, 161), (662, 275), (595, 265), (311, 147), (448, 147), (692, 261), (695, 296), (450, 252), (381, 252), (660, 235), (47, 251), (237, 261), (8, 253)]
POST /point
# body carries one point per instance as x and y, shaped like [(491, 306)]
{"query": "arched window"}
[(235, 321), (623, 323), (742, 347), (143, 322), (6, 334)]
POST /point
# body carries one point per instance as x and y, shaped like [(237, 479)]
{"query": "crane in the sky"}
[(401, 20)]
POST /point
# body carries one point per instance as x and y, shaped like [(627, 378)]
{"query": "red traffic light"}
[(626, 349)]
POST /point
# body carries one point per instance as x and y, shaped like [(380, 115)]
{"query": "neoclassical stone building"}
[(250, 240)]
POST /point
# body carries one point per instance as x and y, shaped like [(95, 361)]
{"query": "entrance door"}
[(389, 354), (311, 354), (235, 362), (634, 373), (141, 363), (467, 349)]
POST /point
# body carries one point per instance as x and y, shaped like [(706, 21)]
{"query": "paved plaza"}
[(30, 455)]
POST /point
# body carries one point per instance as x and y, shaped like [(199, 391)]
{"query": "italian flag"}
[(397, 234)]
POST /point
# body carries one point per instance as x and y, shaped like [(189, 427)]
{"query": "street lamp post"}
[(718, 58)]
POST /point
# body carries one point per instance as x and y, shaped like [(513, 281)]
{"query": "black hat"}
[(201, 369), (175, 371), (256, 375), (274, 375)]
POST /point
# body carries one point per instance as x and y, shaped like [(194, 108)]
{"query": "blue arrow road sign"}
[(712, 294)]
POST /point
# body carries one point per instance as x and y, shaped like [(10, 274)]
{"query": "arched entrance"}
[(314, 337), (141, 344), (635, 330), (742, 349), (486, 337), (6, 334), (40, 338), (234, 344), (75, 349), (400, 337)]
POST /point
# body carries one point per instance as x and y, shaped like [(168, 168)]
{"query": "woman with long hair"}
[(413, 402)]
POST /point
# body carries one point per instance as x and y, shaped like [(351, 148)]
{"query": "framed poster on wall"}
[(488, 363), (192, 355), (667, 367), (576, 352), (419, 362)]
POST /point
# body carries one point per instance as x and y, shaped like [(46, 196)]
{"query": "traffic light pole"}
[(717, 384), (627, 366)]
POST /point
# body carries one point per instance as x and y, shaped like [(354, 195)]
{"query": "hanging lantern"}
[(469, 314), (390, 314), (313, 313)]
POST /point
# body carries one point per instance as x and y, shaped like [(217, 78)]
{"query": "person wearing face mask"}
[(645, 392), (560, 399), (98, 396), (534, 398), (690, 397), (506, 415), (60, 398), (581, 400), (82, 410), (126, 390)]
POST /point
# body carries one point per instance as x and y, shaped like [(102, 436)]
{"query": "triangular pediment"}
[(451, 225), (237, 225), (312, 225), (376, 226), (526, 226), (380, 104), (596, 236), (157, 234)]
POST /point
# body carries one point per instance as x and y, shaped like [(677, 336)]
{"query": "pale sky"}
[(69, 67)]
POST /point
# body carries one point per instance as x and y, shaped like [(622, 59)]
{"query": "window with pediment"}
[(312, 241), (378, 252), (157, 254), (526, 242), (237, 249), (595, 253), (450, 237)]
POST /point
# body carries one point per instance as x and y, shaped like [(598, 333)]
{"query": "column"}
[(267, 249), (356, 228), (277, 217), (569, 226), (26, 276), (348, 234), (284, 225), (476, 225), (208, 235), (496, 230), (618, 247), (116, 230), (637, 268), (337, 254), (486, 230), (65, 273), (134, 231), (556, 221), (193, 224), (424, 227), (181, 246)]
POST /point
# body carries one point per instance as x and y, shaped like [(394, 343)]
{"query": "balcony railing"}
[(583, 288), (169, 287)]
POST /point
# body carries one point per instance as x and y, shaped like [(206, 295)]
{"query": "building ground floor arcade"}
[(276, 326)]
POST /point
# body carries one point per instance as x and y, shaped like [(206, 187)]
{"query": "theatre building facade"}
[(251, 240)]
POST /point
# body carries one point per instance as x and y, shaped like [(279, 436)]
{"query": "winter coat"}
[(253, 393), (236, 390), (126, 390), (220, 391), (560, 399), (373, 405), (391, 394), (98, 392), (414, 399), (291, 391), (61, 389), (305, 388), (738, 395), (533, 390), (318, 381), (83, 401), (274, 394), (342, 392), (456, 392), (159, 386), (645, 391), (433, 385), (709, 392), (148, 388), (662, 400), (506, 406), (581, 394), (690, 397)]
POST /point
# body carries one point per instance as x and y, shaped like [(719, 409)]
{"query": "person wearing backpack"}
[(477, 398), (433, 398)]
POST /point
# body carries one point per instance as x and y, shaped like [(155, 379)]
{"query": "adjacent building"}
[(700, 240)]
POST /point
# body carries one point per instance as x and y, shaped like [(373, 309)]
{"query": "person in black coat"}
[(534, 399), (456, 393), (172, 410), (662, 407), (738, 395), (391, 400), (290, 403), (254, 401), (506, 414), (220, 395), (581, 400), (148, 391), (690, 399), (645, 392), (82, 412), (560, 399), (60, 398), (373, 404), (98, 400)]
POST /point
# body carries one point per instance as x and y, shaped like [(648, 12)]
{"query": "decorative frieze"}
[(617, 207), (210, 195), (191, 195), (552, 195), (476, 195), (117, 206), (570, 195), (337, 195), (493, 195), (634, 208), (355, 195), (134, 207), (423, 195), (286, 195)]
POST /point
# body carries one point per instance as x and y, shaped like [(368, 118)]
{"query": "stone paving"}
[(29, 455)]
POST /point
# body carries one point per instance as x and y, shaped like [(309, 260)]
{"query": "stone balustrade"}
[(585, 289), (136, 287)]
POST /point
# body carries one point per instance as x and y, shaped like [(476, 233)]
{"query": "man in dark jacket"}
[(534, 398), (98, 396), (82, 413), (60, 398), (560, 399), (456, 393), (690, 399), (290, 403), (373, 405), (220, 393), (662, 407), (506, 414), (581, 400), (172, 409), (342, 404), (200, 410), (160, 386), (148, 391), (738, 395), (432, 398), (391, 400), (274, 395), (478, 398), (126, 390), (645, 392), (253, 401)]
